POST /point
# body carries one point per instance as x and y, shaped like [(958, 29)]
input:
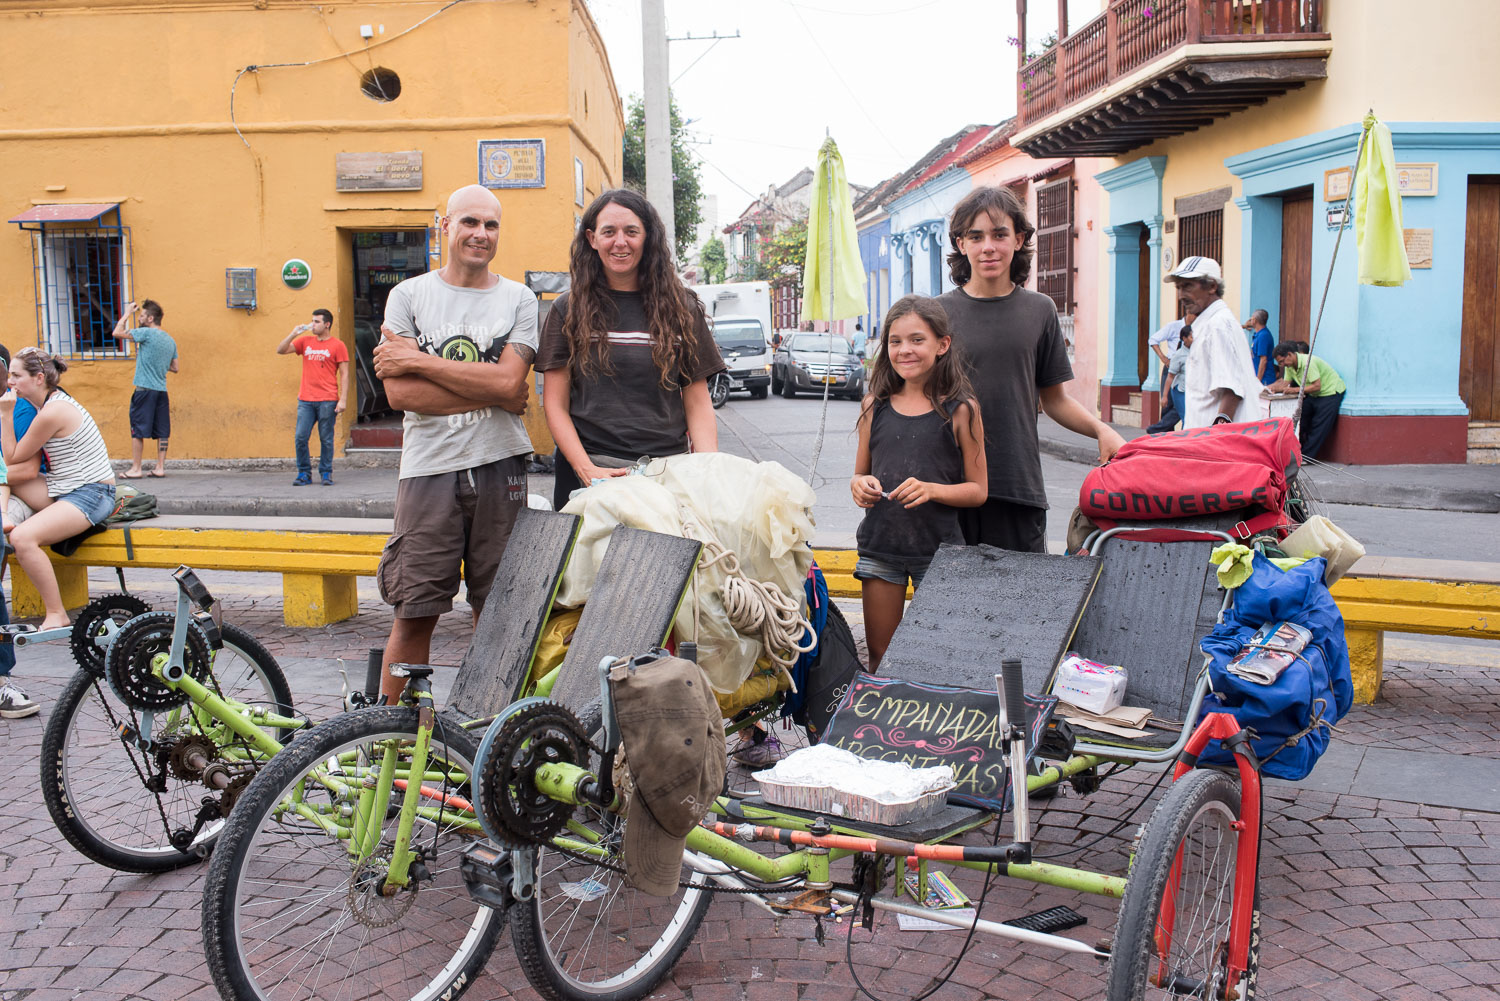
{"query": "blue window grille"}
[(82, 280)]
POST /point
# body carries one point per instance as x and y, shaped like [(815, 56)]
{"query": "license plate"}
[(831, 379), (736, 384)]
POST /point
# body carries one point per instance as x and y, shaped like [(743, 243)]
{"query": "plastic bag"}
[(760, 511), (1318, 536)]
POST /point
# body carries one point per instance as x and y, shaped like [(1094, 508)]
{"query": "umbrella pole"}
[(828, 365)]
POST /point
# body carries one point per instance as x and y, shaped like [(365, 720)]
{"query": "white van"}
[(740, 315)]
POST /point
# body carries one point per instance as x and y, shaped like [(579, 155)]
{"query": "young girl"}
[(921, 456)]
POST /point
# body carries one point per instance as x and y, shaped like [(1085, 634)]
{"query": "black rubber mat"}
[(630, 609), (509, 628), (1153, 603), (978, 605)]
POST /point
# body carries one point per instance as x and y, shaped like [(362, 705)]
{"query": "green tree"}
[(686, 171), (715, 262), (785, 253)]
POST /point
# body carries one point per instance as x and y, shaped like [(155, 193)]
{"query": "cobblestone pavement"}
[(1363, 898)]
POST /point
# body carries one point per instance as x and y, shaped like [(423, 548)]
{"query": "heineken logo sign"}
[(296, 273)]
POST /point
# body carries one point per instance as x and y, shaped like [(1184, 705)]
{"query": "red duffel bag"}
[(1196, 472)]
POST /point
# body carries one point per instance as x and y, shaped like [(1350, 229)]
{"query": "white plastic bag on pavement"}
[(759, 510)]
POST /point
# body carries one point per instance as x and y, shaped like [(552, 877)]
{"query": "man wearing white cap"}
[(1220, 384)]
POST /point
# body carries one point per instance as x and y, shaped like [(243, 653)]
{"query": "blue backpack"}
[(1292, 717)]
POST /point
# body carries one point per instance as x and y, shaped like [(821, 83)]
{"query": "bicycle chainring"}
[(99, 619), (539, 734), (136, 649)]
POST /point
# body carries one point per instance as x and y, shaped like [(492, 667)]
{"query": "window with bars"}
[(1201, 235), (82, 280), (1054, 243)]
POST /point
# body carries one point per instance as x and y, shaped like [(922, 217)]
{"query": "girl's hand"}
[(588, 473), (866, 490), (913, 492)]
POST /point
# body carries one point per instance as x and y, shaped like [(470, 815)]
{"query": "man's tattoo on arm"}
[(526, 351)]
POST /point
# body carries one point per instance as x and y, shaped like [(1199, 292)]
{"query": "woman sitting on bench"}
[(79, 471)]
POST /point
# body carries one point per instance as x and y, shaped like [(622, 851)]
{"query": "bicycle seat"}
[(412, 670)]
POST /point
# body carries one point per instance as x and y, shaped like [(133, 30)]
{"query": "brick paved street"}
[(1364, 897)]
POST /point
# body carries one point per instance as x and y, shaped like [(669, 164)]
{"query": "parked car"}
[(740, 314), (808, 362)]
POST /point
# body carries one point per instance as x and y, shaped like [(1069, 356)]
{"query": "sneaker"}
[(302, 480), (763, 754), (328, 481), (14, 704)]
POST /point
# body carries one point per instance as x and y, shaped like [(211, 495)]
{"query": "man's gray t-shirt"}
[(461, 324), (153, 357), (1011, 347)]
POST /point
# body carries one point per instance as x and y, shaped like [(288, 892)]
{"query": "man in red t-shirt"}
[(325, 388)]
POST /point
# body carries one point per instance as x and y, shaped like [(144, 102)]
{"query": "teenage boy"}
[(324, 392), (1012, 346)]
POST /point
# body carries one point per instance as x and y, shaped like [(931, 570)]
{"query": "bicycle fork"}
[(374, 801)]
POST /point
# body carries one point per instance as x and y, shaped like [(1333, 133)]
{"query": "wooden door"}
[(1296, 267), (1479, 359), (1143, 308)]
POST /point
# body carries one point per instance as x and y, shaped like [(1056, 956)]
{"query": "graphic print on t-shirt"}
[(462, 342)]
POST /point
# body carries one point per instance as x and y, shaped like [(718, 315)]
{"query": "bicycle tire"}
[(568, 947), (90, 784), (342, 938), (1192, 820)]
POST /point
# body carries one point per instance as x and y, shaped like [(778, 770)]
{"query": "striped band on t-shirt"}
[(79, 458)]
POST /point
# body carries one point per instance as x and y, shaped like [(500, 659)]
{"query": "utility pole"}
[(658, 115)]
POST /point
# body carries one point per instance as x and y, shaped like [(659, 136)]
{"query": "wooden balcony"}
[(1147, 69)]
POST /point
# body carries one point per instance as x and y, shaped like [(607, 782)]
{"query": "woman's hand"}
[(588, 473), (914, 492), (866, 490)]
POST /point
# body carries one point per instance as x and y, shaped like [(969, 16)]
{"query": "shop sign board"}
[(400, 171)]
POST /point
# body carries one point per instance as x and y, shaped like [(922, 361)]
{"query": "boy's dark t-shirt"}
[(1011, 347), (625, 413)]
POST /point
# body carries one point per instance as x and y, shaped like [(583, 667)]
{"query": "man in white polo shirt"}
[(1220, 384)]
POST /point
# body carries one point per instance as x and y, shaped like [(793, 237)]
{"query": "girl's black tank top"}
[(900, 447)]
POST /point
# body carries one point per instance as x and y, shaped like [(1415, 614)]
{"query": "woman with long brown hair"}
[(626, 352)]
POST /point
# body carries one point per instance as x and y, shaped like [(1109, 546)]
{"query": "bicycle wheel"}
[(118, 805), (288, 911), (587, 935), (1179, 946)]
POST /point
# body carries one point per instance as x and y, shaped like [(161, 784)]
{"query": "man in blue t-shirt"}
[(1262, 344), (156, 355)]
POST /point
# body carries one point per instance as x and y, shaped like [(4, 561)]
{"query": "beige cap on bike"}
[(673, 736)]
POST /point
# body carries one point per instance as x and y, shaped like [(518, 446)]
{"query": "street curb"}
[(1336, 487), (280, 507)]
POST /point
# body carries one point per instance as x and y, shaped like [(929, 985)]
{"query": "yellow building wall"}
[(144, 121), (1435, 62)]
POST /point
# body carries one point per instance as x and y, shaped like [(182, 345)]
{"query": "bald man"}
[(456, 354)]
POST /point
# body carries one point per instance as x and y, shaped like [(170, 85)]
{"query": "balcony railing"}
[(1133, 33)]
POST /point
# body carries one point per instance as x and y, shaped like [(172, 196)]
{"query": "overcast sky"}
[(886, 78)]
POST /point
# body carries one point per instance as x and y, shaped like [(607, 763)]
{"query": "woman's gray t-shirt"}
[(1011, 347)]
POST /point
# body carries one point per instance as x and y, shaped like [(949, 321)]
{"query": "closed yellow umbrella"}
[(1377, 211), (833, 280)]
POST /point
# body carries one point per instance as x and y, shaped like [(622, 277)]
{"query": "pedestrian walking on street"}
[(1012, 347), (155, 356), (1172, 387), (1220, 385), (324, 393), (627, 351), (456, 356), (920, 459)]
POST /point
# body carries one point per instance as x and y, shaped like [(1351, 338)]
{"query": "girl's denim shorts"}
[(95, 500)]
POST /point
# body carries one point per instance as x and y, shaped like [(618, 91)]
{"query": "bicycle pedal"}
[(1050, 921)]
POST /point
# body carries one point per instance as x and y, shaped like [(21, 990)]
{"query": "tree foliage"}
[(785, 252), (714, 260), (686, 172)]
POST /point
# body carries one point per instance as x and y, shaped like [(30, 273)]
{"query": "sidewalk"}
[(1425, 487)]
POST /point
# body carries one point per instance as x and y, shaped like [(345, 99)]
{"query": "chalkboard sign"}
[(926, 725)]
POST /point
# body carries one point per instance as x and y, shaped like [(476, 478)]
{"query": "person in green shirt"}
[(1324, 394)]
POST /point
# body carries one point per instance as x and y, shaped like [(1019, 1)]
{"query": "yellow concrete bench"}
[(1385, 594), (319, 559)]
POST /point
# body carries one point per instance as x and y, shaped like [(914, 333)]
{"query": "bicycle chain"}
[(129, 753)]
